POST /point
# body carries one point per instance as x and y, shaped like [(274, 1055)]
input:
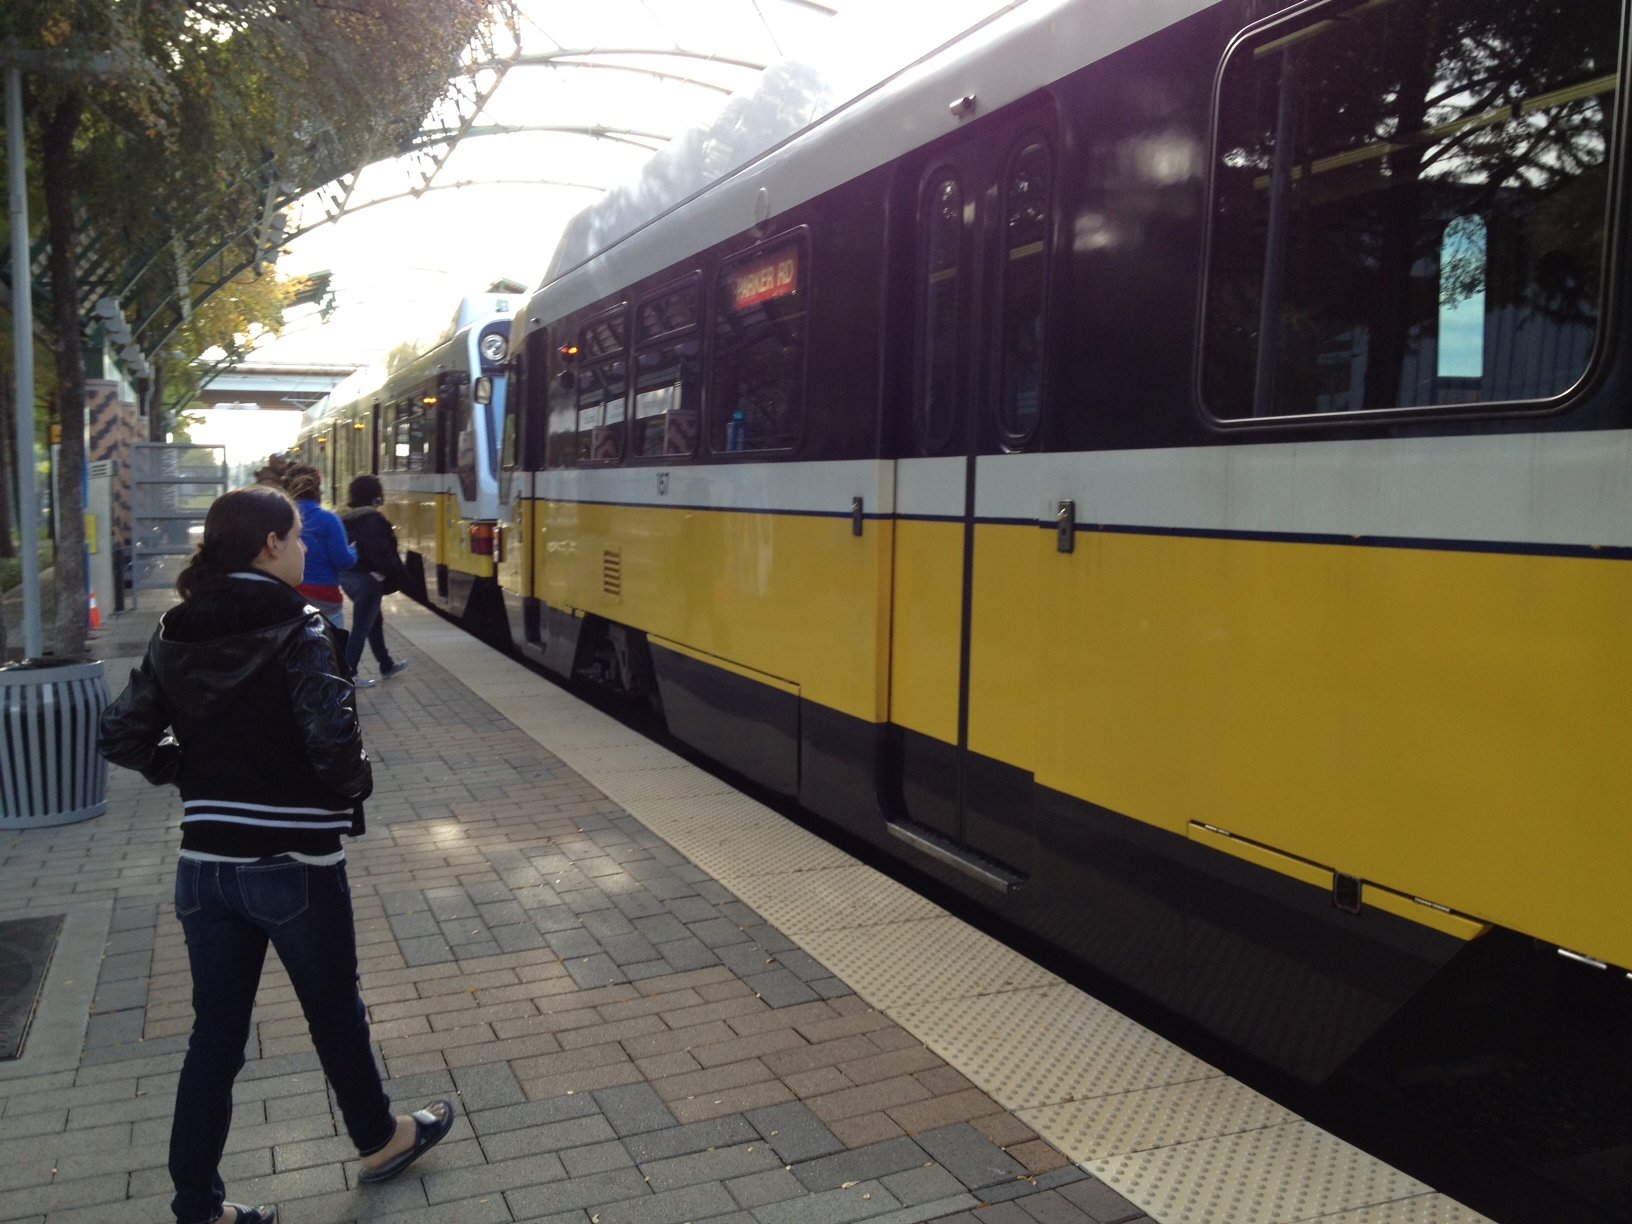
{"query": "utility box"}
[(99, 535)]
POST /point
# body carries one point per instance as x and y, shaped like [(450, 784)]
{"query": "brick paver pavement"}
[(626, 1041)]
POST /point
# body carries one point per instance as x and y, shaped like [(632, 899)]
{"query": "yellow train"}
[(1165, 470), (431, 430)]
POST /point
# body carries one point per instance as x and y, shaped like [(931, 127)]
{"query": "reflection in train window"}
[(602, 385), (1409, 207), (941, 230), (757, 389), (668, 374), (1026, 212), (413, 441), (668, 388)]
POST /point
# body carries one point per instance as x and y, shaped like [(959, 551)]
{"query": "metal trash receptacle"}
[(50, 770)]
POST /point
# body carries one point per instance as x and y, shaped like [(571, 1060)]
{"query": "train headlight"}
[(493, 347)]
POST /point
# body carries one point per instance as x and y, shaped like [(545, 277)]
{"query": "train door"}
[(962, 650)]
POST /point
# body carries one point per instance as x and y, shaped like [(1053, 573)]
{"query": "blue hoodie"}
[(328, 554)]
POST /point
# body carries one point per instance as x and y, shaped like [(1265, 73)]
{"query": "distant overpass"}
[(252, 386)]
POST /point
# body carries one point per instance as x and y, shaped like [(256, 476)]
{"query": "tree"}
[(209, 115)]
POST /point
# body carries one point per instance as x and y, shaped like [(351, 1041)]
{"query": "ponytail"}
[(235, 531)]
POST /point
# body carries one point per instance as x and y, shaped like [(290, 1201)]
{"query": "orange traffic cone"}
[(96, 617)]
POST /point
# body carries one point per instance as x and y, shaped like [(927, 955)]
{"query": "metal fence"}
[(172, 486)]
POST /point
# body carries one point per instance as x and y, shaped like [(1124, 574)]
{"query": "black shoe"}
[(392, 669), (429, 1128), (251, 1215)]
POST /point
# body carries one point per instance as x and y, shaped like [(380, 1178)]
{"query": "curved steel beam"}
[(598, 131)]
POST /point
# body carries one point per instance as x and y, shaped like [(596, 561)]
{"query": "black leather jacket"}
[(376, 543), (243, 702)]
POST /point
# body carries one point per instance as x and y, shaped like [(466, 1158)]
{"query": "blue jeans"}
[(229, 912), (365, 593)]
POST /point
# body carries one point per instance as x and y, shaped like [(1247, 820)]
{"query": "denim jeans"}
[(365, 592), (229, 912), (334, 613)]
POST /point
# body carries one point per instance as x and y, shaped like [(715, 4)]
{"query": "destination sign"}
[(774, 276)]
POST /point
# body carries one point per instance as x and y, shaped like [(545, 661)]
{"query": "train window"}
[(668, 386), (414, 438), (385, 458), (668, 374), (1027, 210), (756, 400), (935, 405), (674, 310), (456, 411), (1409, 207), (602, 383)]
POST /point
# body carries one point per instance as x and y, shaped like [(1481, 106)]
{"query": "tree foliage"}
[(166, 161)]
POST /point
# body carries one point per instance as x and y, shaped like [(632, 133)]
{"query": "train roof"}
[(481, 307), (803, 129)]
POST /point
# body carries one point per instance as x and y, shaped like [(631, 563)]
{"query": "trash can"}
[(50, 771)]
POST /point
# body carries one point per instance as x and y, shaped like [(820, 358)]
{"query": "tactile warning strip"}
[(1114, 1125), (645, 755), (833, 899), (1076, 1046), (636, 782), (731, 855), (685, 818), (931, 959), (1419, 1209), (1295, 1171)]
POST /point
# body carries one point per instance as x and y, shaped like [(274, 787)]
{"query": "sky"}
[(400, 267)]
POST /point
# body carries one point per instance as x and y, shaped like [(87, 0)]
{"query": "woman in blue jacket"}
[(328, 553)]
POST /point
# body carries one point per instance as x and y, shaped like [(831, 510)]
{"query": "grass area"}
[(11, 568)]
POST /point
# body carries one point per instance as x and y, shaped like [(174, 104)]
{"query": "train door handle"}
[(1065, 527), (856, 516)]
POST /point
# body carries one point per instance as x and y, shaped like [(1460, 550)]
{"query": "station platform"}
[(653, 1000)]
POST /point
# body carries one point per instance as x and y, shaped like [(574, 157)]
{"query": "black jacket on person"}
[(376, 543), (242, 700)]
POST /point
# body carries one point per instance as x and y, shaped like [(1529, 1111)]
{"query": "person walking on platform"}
[(379, 571), (241, 701), (328, 553)]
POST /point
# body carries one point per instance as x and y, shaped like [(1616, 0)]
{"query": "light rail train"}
[(1165, 470), (431, 431)]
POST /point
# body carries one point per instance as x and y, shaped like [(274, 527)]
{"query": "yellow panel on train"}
[(1010, 651), (1431, 721), (796, 597), (927, 627)]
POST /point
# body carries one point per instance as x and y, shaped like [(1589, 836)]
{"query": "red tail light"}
[(481, 538)]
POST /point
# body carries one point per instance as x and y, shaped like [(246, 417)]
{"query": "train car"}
[(1165, 470), (431, 430)]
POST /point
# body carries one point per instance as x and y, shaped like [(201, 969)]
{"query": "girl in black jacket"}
[(378, 572), (243, 703)]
